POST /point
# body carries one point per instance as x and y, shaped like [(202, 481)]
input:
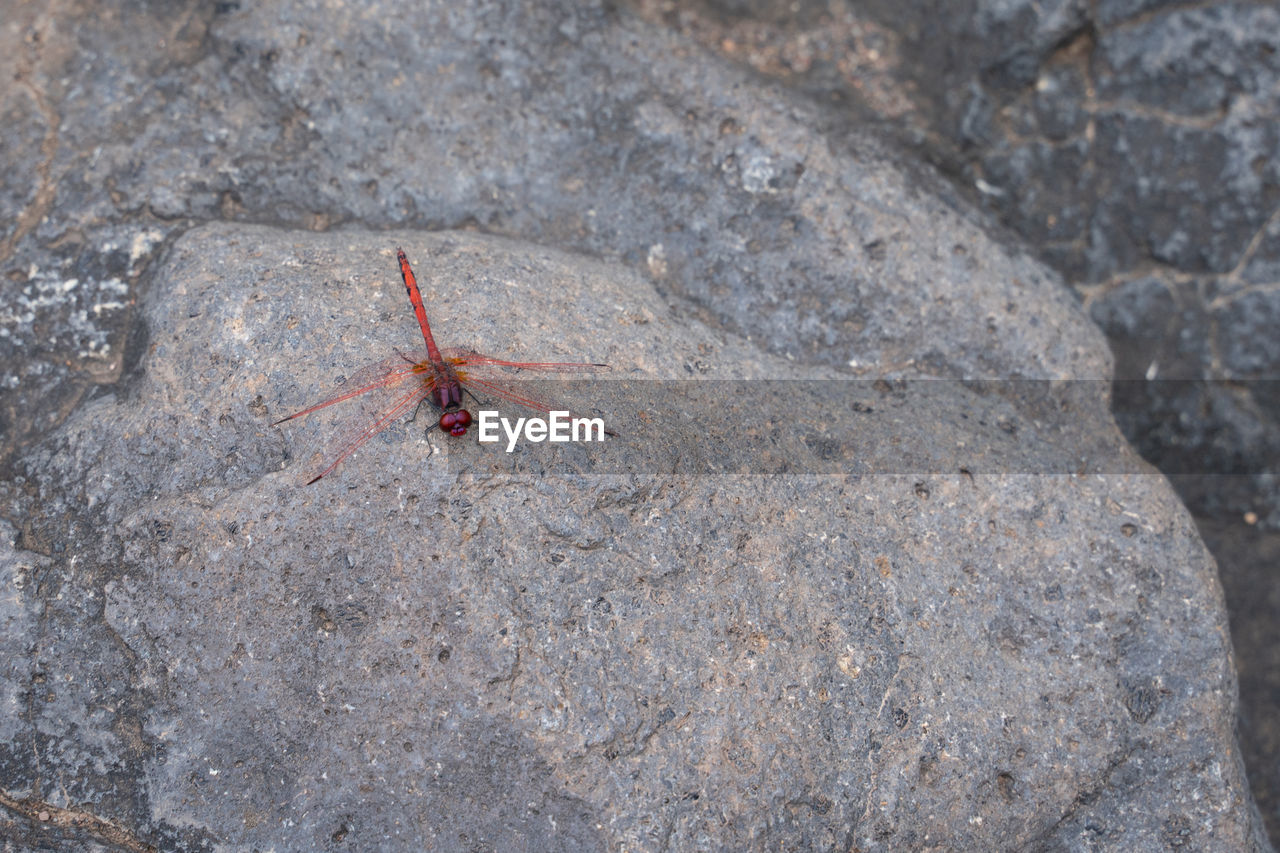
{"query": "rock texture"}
[(452, 649), (1133, 145), (438, 648)]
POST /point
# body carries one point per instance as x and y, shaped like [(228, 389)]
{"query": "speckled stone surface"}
[(441, 647), (433, 647)]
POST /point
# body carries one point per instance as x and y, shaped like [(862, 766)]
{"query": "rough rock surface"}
[(441, 648), (1133, 145), (204, 655), (556, 124)]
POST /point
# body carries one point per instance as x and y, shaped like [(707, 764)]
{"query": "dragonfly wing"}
[(483, 386), (354, 425), (375, 397), (536, 404), (485, 374), (388, 373), (476, 364)]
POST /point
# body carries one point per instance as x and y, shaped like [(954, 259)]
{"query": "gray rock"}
[(1251, 594), (1131, 143), (435, 647), (447, 650), (560, 125), (1134, 145)]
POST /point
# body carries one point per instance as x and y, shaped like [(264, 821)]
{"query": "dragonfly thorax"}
[(446, 390), (446, 395)]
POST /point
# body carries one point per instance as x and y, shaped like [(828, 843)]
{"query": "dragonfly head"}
[(455, 423)]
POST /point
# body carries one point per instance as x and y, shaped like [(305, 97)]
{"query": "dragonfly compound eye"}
[(455, 423)]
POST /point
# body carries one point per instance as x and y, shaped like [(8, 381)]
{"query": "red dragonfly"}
[(387, 389)]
